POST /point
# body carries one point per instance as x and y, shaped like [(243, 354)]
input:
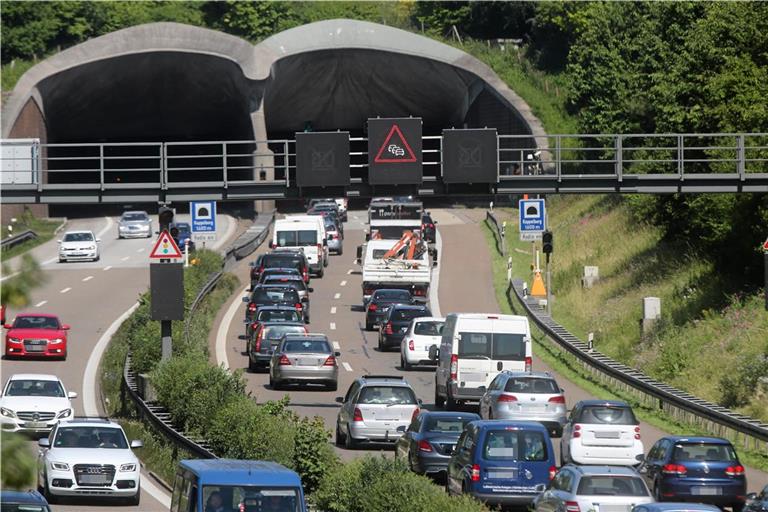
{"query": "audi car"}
[(36, 335)]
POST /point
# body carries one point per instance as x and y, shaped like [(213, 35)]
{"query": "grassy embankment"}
[(42, 227)]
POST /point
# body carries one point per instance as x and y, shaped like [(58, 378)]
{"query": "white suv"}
[(89, 457), (34, 403)]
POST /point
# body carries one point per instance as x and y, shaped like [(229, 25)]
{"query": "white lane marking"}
[(346, 366), (333, 326), (434, 289), (355, 217), (350, 271), (49, 261), (343, 283), (140, 250), (9, 276), (221, 333), (333, 310), (107, 267), (337, 296), (65, 290), (336, 346), (124, 258), (106, 228), (90, 405), (86, 279), (41, 303)]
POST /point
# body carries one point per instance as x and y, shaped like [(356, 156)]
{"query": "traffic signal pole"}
[(549, 288)]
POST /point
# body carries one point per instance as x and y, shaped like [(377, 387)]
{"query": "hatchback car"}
[(280, 259), (591, 488), (376, 408), (422, 333), (36, 335), (304, 359), (271, 296), (34, 403), (695, 469), (181, 232), (395, 324), (500, 462), (601, 432), (265, 338), (428, 231), (380, 301), (428, 443), (528, 396), (134, 224), (334, 234), (79, 246), (273, 314), (23, 501)]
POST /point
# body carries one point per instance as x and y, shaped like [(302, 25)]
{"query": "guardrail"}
[(22, 237), (678, 404), (499, 232)]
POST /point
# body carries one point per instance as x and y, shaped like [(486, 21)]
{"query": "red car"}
[(36, 335)]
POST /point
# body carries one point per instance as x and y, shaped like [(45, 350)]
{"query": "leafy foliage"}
[(19, 465)]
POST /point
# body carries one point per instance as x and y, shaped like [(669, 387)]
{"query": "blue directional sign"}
[(533, 219), (203, 216)]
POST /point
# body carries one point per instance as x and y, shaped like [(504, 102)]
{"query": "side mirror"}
[(72, 394), (58, 241), (66, 327), (271, 245), (7, 326), (401, 428), (310, 289), (482, 388), (752, 496), (43, 442), (246, 299), (418, 401), (434, 222), (98, 240), (434, 353), (270, 351), (337, 354), (339, 399), (137, 443), (640, 458), (359, 252), (325, 241)]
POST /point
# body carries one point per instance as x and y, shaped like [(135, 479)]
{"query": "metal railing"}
[(677, 404), (19, 238)]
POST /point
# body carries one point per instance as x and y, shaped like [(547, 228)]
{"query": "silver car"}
[(293, 280), (526, 396), (585, 488), (135, 224), (376, 408), (304, 359), (335, 236)]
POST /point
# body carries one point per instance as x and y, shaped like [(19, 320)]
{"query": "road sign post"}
[(166, 284), (765, 272)]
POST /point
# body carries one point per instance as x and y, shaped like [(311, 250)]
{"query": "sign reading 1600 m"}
[(394, 151)]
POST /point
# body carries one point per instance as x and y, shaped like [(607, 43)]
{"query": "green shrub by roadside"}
[(19, 466), (43, 228)]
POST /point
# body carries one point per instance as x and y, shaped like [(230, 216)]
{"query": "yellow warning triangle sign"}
[(165, 247), (538, 289)]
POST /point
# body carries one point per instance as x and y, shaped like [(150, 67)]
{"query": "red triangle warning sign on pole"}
[(395, 151), (765, 246), (165, 247)]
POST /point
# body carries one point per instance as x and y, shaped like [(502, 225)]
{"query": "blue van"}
[(213, 485), (500, 462)]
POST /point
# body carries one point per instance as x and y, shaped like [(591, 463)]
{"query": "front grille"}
[(35, 345), (30, 415), (94, 474)]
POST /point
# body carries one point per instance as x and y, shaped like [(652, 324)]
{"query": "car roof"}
[(698, 439), (449, 414), (504, 424), (180, 224), (277, 307), (12, 497), (283, 252), (278, 323), (612, 403), (409, 306), (275, 270), (310, 335), (78, 231), (33, 376), (29, 313), (429, 319), (603, 470), (292, 277), (273, 287), (537, 375), (135, 211), (89, 422), (235, 472), (389, 380)]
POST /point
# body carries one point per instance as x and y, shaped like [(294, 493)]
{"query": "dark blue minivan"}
[(500, 462), (236, 485)]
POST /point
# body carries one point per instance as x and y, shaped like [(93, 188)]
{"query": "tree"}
[(16, 291), (19, 465)]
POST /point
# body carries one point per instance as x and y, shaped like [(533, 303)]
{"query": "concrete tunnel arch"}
[(169, 81)]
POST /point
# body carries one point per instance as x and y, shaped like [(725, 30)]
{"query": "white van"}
[(474, 348), (306, 233)]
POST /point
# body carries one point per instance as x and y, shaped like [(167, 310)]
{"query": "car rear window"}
[(274, 261), (441, 424), (515, 445), (134, 216), (607, 414), (611, 485), (531, 385), (389, 295), (389, 395), (402, 314), (272, 315), (704, 452), (274, 333), (497, 346), (428, 328), (299, 238), (313, 346), (287, 295), (295, 281)]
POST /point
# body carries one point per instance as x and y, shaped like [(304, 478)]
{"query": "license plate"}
[(35, 348), (94, 479), (706, 491), (607, 435), (34, 424), (306, 362), (502, 474), (472, 377)]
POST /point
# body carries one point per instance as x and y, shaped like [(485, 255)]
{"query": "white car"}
[(89, 457), (79, 246), (34, 403), (423, 333)]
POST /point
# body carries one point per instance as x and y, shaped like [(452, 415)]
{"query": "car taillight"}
[(388, 328), (305, 275), (299, 306), (432, 226), (367, 291), (258, 341), (419, 292), (577, 430), (572, 506), (557, 400), (674, 469), (358, 415), (424, 446), (552, 472), (507, 398), (319, 249), (528, 364), (637, 432), (284, 361), (454, 366), (252, 307), (372, 307), (475, 476), (331, 361), (737, 470), (415, 413), (410, 345)]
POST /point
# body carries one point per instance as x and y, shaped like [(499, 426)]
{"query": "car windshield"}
[(35, 322), (515, 445), (134, 217), (275, 295), (299, 238), (613, 415), (428, 328), (90, 437), (713, 452), (611, 485), (442, 424), (406, 315), (31, 387), (279, 315), (183, 229), (251, 498), (307, 346), (389, 395), (274, 261), (274, 333), (78, 237), (531, 385), (391, 296), (497, 346)]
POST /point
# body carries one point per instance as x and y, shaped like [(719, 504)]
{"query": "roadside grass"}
[(561, 361), (12, 71), (44, 229), (158, 455)]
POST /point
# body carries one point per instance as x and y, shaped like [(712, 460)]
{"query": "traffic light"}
[(546, 242), (165, 215)]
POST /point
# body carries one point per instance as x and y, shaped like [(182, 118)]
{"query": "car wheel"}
[(349, 443), (368, 326), (50, 497), (321, 272), (381, 345), (737, 507), (273, 383), (657, 492), (97, 258), (61, 260), (450, 403), (404, 364), (340, 441), (252, 366), (135, 499), (340, 251), (439, 401)]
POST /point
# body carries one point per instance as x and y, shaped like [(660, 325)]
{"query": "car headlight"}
[(128, 467), (60, 466), (7, 412), (91, 248), (14, 340), (64, 413), (56, 340)]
